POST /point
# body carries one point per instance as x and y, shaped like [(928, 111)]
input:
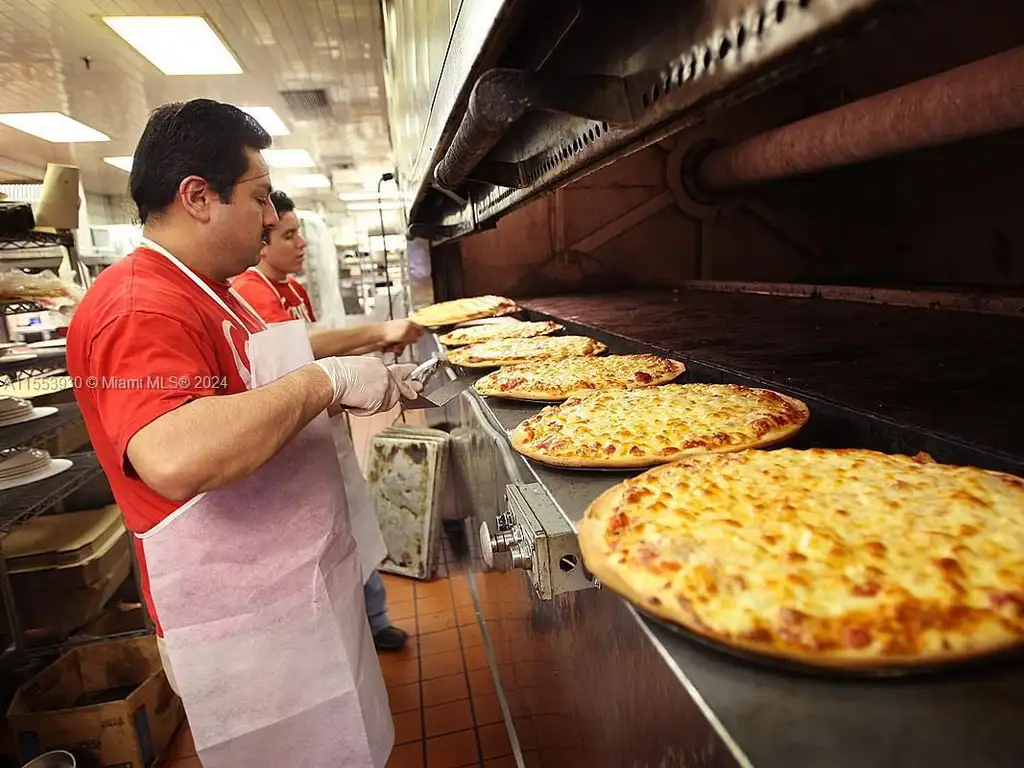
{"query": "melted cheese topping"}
[(653, 426), (463, 310), (481, 333), (557, 380), (851, 555), (512, 351)]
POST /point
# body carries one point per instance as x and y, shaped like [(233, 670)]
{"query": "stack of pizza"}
[(845, 559)]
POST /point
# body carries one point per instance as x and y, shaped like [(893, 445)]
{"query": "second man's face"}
[(285, 249)]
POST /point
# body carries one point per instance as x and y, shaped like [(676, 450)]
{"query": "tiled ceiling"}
[(57, 55)]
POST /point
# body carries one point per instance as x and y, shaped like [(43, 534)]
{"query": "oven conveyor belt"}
[(946, 382), (875, 376)]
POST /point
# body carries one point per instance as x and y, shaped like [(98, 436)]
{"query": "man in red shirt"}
[(212, 432), (276, 296)]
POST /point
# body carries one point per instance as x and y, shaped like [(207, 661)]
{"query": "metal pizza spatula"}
[(440, 383)]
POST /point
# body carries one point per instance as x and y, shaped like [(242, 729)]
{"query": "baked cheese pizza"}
[(501, 352), (463, 310), (645, 427), (554, 380), (461, 337), (835, 558)]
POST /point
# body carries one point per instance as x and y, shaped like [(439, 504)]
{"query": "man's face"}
[(285, 250), (237, 226)]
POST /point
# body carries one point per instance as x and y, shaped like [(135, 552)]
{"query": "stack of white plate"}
[(13, 410), (20, 466), (16, 463), (16, 410)]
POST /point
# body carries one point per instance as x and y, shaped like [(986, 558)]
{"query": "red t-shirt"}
[(144, 341), (275, 301)]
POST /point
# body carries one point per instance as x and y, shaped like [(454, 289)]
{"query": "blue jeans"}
[(376, 597)]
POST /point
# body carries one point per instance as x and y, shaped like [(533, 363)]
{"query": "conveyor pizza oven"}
[(820, 196)]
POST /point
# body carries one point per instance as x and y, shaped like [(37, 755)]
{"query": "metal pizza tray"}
[(894, 673)]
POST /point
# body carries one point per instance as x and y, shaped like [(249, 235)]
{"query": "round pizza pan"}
[(895, 672)]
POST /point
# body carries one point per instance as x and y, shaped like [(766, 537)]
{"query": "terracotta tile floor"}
[(442, 694)]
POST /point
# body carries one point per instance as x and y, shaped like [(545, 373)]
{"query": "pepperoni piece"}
[(857, 637), (643, 377), (618, 523), (870, 589)]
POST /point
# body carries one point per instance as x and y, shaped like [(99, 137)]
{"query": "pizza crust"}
[(487, 385), (601, 561), (528, 448)]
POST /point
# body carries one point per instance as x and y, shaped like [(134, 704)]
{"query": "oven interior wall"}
[(936, 217)]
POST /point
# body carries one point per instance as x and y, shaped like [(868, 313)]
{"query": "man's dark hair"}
[(192, 138), (282, 203)]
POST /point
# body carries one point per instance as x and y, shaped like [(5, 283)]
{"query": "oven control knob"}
[(502, 541), (522, 557)]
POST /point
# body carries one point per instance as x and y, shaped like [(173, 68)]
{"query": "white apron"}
[(362, 515), (260, 597)]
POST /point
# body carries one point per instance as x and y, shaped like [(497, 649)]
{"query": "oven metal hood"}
[(495, 102)]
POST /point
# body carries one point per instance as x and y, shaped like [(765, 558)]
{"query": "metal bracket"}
[(543, 542)]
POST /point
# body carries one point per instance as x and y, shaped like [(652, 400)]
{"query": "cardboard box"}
[(109, 704)]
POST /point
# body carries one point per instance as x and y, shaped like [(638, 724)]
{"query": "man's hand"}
[(363, 385), (396, 335), (408, 388)]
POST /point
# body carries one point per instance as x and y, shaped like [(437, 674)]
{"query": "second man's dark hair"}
[(282, 203), (193, 138)]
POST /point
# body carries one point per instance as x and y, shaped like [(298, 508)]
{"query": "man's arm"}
[(211, 442), (347, 341), (372, 337)]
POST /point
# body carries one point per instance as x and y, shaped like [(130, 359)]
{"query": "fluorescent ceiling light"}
[(176, 45), (352, 197), (288, 158), (124, 162), (374, 206), (310, 181), (52, 126), (269, 119)]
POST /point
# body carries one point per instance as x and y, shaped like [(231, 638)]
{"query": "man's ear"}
[(195, 193)]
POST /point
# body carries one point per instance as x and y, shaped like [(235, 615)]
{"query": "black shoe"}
[(390, 639)]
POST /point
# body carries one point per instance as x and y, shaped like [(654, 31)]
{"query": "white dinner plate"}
[(35, 413), (19, 357), (56, 467), (48, 344)]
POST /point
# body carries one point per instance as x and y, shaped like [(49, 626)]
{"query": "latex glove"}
[(407, 387), (363, 385), (400, 333)]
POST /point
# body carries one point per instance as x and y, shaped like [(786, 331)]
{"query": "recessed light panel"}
[(310, 181), (124, 162), (288, 158), (176, 45), (52, 126), (269, 119)]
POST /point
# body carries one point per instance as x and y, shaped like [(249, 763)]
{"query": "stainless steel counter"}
[(761, 717)]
